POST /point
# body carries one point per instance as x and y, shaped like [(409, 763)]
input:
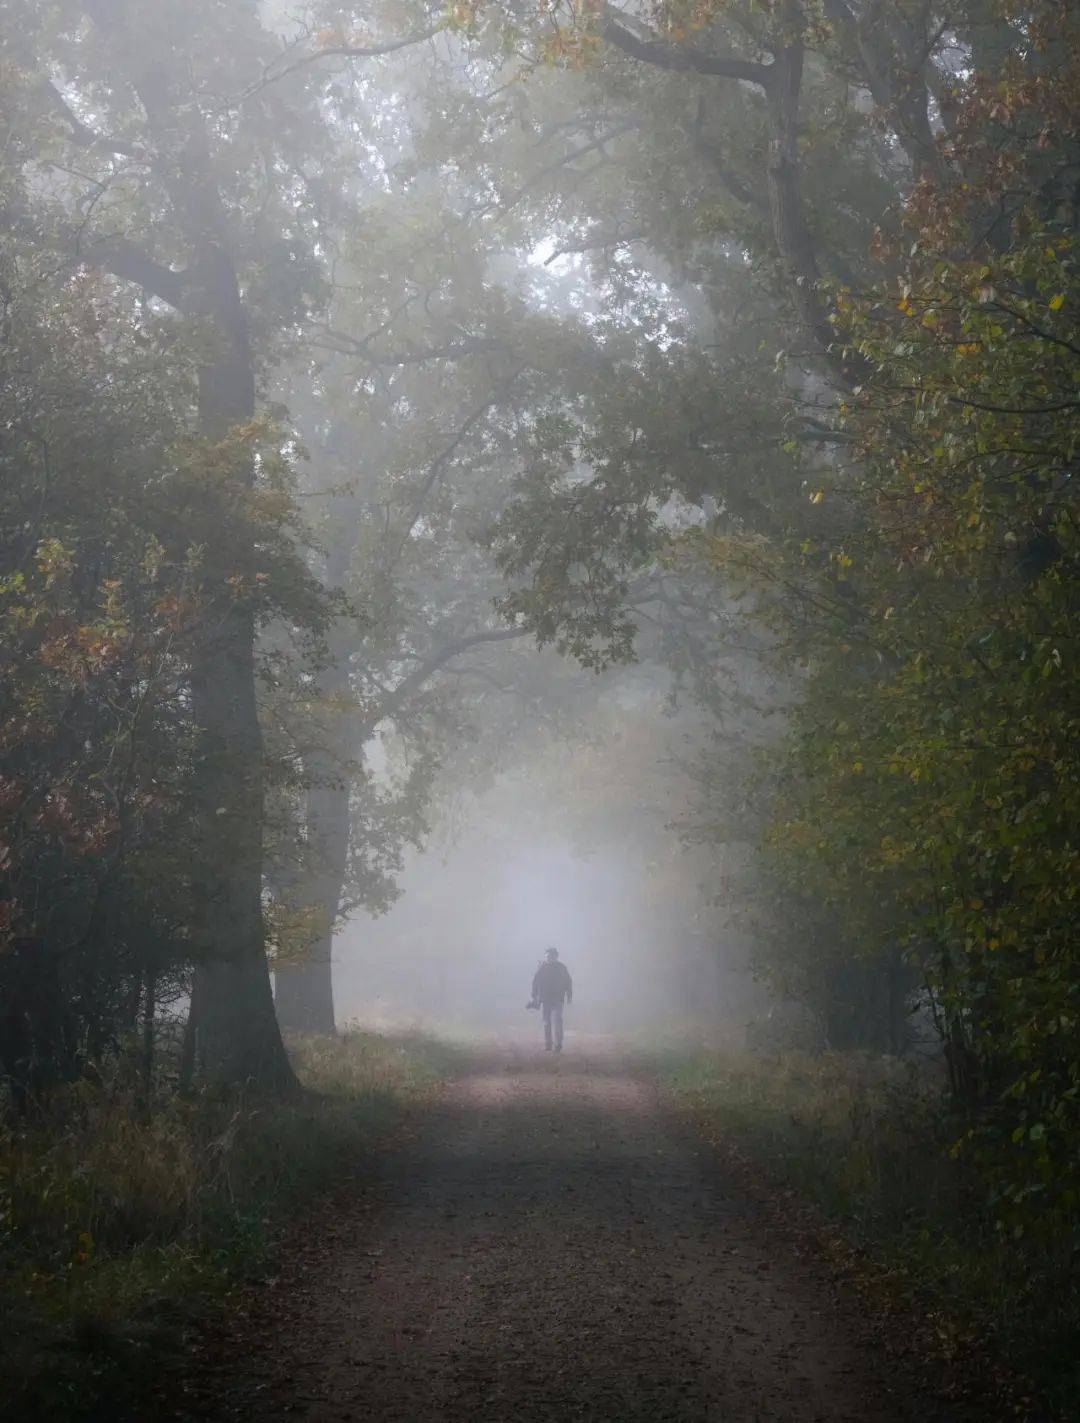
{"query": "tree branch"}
[(81, 133), (684, 58), (439, 463), (120, 256), (431, 664), (897, 81), (594, 244), (346, 345), (712, 153), (505, 204), (1028, 411), (781, 81), (338, 51)]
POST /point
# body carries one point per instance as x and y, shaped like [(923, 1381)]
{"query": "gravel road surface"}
[(548, 1244)]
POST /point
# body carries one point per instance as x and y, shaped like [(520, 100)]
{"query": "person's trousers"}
[(553, 1025)]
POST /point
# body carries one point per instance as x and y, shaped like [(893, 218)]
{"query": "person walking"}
[(551, 987)]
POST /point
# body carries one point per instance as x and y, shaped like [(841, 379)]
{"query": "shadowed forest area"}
[(479, 476)]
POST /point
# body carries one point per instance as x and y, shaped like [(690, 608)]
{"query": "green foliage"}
[(892, 494), (803, 281), (118, 533), (933, 785), (865, 1141)]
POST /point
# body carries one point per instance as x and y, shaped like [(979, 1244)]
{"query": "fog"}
[(577, 848), (586, 486)]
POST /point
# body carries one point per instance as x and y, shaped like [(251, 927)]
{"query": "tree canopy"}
[(351, 354)]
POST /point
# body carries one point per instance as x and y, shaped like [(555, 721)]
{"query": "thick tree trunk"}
[(35, 1043), (791, 232), (238, 1036), (890, 47), (781, 83), (238, 1039), (189, 1046), (146, 1057), (233, 1035), (304, 992)]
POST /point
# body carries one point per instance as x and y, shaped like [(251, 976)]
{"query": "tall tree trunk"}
[(791, 231), (238, 1036), (234, 1037), (239, 1039), (781, 82), (189, 1045), (146, 1056)]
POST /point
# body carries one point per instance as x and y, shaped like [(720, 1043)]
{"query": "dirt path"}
[(547, 1246)]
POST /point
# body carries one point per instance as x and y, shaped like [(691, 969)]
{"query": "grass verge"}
[(865, 1142), (122, 1223)]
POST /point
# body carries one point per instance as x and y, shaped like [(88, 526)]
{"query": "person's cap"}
[(553, 953)]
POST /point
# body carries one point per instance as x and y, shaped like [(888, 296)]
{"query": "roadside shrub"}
[(122, 1219), (869, 1140)]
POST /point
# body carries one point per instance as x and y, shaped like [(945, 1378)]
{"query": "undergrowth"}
[(868, 1141), (123, 1221)]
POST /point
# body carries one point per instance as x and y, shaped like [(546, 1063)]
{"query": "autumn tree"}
[(167, 150)]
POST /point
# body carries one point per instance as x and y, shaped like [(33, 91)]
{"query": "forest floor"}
[(549, 1241)]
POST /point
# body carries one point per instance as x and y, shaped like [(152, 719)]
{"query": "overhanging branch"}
[(334, 51), (346, 345), (684, 58), (80, 133), (121, 257), (434, 662)]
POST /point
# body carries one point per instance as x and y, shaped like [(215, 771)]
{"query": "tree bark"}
[(790, 229), (781, 83), (239, 1037), (235, 1038), (146, 1063), (891, 50)]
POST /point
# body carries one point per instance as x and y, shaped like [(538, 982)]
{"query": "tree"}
[(914, 537), (143, 142)]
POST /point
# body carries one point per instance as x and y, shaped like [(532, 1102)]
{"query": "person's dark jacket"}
[(552, 983)]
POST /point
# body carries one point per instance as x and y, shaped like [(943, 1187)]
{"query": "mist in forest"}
[(576, 847), (480, 477), (459, 949)]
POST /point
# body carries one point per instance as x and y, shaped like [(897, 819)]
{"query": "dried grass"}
[(120, 1220), (868, 1140)]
